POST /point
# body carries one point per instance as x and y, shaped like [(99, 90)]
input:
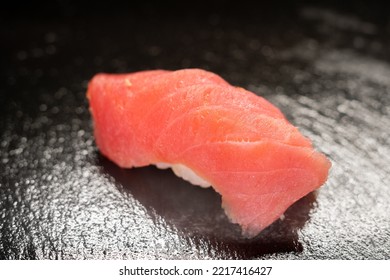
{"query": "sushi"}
[(209, 133)]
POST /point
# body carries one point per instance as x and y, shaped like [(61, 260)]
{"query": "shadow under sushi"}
[(196, 213)]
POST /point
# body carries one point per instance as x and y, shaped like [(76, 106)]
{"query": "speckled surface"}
[(326, 68)]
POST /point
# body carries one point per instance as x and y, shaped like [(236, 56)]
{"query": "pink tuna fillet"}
[(210, 133)]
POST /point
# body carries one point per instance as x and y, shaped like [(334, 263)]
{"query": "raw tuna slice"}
[(210, 133)]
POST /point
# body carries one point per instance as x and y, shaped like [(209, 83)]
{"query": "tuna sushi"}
[(211, 134)]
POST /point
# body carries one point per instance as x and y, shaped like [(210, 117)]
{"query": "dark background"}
[(326, 65)]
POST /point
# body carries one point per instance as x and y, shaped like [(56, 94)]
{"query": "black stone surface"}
[(327, 67)]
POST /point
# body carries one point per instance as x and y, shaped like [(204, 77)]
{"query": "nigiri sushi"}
[(211, 134)]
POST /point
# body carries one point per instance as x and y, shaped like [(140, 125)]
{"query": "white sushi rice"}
[(186, 173)]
